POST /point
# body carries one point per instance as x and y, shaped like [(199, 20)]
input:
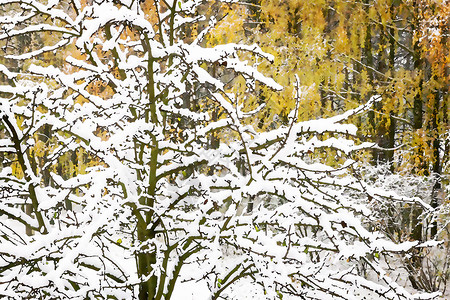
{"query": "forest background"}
[(338, 55)]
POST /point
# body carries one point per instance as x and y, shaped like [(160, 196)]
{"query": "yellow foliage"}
[(17, 170)]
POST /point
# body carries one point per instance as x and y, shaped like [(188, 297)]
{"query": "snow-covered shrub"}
[(155, 213)]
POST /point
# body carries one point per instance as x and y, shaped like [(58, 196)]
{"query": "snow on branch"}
[(130, 171)]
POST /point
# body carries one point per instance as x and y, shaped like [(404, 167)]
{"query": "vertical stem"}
[(436, 144), (416, 223), (31, 187), (392, 121), (148, 289)]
